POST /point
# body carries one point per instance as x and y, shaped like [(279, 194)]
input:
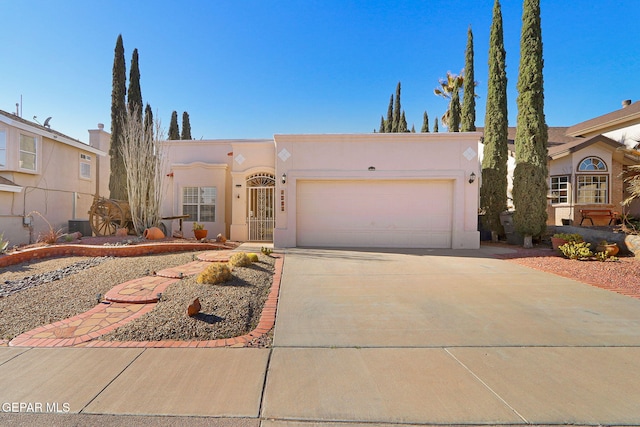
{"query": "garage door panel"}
[(415, 213)]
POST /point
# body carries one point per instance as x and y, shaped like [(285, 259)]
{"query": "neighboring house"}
[(356, 190), (586, 165), (46, 171)]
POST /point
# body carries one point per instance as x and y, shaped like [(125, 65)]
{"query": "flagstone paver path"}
[(130, 300)]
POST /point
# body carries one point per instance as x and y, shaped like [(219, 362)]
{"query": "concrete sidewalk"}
[(421, 337)]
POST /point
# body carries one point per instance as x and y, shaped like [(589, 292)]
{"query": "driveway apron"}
[(454, 337)]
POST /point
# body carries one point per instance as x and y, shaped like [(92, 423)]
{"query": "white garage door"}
[(397, 214)]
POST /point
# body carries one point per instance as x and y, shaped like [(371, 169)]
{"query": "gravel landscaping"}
[(623, 274), (228, 310), (74, 294)]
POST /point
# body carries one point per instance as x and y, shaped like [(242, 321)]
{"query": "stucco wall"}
[(568, 165), (394, 157), (56, 190)]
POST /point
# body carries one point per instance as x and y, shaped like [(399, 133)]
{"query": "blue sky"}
[(251, 69)]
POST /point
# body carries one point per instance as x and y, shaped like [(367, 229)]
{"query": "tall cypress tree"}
[(468, 120), (413, 128), (530, 175), (118, 173), (402, 126), (174, 131), (493, 192), (382, 125), (186, 127), (453, 123), (389, 123), (435, 125), (134, 98), (425, 123), (397, 112), (148, 118)]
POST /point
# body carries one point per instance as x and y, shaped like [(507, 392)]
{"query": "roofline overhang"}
[(11, 188), (632, 119), (56, 137)]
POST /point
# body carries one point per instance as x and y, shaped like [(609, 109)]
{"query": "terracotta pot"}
[(611, 249), (200, 234), (556, 242), (153, 233)]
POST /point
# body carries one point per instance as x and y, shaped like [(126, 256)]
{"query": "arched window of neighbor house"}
[(593, 181)]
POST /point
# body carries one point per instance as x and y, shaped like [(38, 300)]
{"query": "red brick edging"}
[(101, 250)]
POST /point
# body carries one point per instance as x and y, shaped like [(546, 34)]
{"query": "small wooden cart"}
[(107, 215)]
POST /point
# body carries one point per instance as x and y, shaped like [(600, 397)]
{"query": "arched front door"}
[(260, 206)]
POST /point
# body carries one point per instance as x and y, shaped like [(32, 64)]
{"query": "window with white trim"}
[(592, 188), (199, 203), (85, 166), (3, 149), (28, 152), (560, 189)]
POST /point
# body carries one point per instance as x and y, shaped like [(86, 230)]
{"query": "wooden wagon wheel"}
[(106, 217)]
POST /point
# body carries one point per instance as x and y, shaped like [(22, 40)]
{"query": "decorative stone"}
[(194, 308), (221, 239)]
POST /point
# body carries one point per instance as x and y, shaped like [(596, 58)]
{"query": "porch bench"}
[(590, 213)]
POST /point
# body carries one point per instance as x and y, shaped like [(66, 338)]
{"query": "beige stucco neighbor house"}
[(46, 171), (586, 164), (354, 190)]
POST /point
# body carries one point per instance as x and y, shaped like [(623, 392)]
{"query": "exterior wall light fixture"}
[(372, 168), (284, 178), (472, 177)]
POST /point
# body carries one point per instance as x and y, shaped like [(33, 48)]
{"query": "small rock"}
[(194, 308), (221, 239)]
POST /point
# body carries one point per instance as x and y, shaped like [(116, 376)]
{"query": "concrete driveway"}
[(451, 337)]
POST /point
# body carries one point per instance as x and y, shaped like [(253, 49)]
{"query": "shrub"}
[(604, 256), (569, 237), (253, 257), (266, 251), (214, 274), (239, 259), (576, 250), (3, 243)]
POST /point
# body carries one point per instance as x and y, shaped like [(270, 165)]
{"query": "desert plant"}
[(239, 259), (253, 257), (575, 237), (50, 236), (266, 251), (144, 160), (197, 226), (3, 243), (214, 274), (576, 250), (604, 256)]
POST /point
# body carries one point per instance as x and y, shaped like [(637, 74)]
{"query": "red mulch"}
[(622, 275)]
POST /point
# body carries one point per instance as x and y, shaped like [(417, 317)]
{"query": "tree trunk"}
[(494, 237), (528, 241)]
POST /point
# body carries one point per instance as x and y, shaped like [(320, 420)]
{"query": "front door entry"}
[(260, 207)]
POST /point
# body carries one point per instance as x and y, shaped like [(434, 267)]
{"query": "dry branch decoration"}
[(144, 160)]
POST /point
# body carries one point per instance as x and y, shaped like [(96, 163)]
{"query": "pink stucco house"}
[(353, 190)]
